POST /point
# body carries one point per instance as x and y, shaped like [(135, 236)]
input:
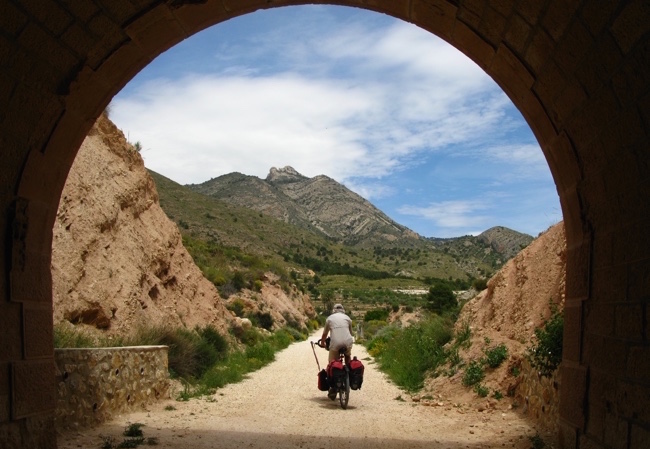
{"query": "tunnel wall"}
[(579, 72)]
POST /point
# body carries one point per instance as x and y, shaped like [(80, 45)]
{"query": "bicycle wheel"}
[(344, 391)]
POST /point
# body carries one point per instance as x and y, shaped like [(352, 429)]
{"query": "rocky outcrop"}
[(318, 204), (519, 299), (118, 262), (505, 241)]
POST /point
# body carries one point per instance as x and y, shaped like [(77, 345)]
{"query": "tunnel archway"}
[(578, 71)]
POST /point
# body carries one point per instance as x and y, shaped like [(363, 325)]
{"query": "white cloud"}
[(451, 214), (359, 102)]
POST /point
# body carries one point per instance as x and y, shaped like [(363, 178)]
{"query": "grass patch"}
[(68, 336), (237, 364), (407, 354), (496, 355), (473, 373)]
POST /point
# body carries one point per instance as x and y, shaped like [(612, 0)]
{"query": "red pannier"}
[(356, 374), (323, 381), (335, 370)]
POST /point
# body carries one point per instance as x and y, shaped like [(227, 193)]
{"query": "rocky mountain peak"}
[(284, 174)]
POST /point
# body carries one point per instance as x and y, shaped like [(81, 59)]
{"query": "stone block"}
[(561, 156), (12, 20), (571, 98), (578, 269), (539, 121), (439, 17), (539, 50), (517, 34), (49, 14), (599, 317), (84, 11), (511, 74), (50, 51), (549, 84), (470, 12), (616, 433), (40, 431), (568, 435), (630, 322), (571, 50), (78, 39), (589, 442), (605, 354), (34, 389), (470, 43), (493, 26), (631, 247), (558, 16), (156, 31), (400, 10), (632, 401), (11, 325), (10, 435), (631, 24), (638, 363), (638, 286), (639, 437), (194, 18), (121, 64), (596, 15), (572, 394), (530, 11), (5, 392), (38, 325), (26, 287), (572, 340), (595, 424), (120, 10)]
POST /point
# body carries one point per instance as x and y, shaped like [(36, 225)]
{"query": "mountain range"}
[(288, 213), (319, 204)]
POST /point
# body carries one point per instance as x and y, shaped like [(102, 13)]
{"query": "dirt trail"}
[(280, 406)]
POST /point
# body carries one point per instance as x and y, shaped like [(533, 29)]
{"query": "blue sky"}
[(388, 109)]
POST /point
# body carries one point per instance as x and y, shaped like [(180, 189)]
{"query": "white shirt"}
[(340, 328)]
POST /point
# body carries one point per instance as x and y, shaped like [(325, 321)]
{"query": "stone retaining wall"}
[(94, 384), (539, 396)]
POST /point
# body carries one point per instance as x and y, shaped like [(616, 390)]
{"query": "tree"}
[(441, 298)]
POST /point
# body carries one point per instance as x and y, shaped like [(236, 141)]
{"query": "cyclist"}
[(339, 326)]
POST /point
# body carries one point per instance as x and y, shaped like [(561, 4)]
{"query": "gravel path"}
[(280, 406)]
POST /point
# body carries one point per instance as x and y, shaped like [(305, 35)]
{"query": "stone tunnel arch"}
[(578, 70)]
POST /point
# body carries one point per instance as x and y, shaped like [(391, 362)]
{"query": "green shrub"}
[(263, 320), (441, 299), (407, 354), (479, 284), (238, 280), (133, 430), (481, 390), (376, 315), (257, 285), (496, 355), (546, 354), (473, 374), (237, 307), (463, 336)]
